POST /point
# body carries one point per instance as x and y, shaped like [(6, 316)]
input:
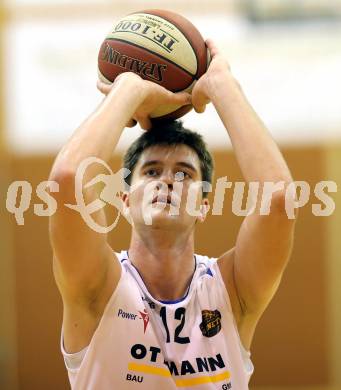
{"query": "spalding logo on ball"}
[(160, 46)]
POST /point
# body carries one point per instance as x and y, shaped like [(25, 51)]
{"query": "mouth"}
[(162, 199)]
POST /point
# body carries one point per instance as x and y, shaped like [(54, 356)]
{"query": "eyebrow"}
[(186, 165), (158, 162)]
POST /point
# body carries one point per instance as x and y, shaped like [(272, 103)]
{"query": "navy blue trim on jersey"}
[(176, 300), (209, 272)]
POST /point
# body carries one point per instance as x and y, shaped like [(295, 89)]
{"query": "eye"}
[(181, 175), (151, 172)]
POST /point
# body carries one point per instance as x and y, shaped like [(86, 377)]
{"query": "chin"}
[(162, 218)]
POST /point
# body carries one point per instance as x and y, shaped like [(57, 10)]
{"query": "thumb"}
[(182, 98), (104, 88), (199, 102)]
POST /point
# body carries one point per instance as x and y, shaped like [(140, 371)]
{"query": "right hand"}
[(217, 72), (152, 96)]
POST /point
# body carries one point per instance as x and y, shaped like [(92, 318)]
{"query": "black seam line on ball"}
[(185, 35), (156, 54)]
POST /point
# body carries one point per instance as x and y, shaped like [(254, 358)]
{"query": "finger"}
[(199, 103), (200, 109), (212, 47), (131, 123), (178, 98), (102, 87), (144, 122), (183, 98)]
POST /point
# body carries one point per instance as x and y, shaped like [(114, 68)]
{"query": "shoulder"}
[(121, 256), (208, 269)]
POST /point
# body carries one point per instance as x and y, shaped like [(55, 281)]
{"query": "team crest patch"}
[(211, 323)]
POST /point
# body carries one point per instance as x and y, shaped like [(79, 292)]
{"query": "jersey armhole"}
[(74, 360), (246, 355)]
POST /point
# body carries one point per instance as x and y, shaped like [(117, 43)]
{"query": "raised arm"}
[(253, 268), (84, 264)]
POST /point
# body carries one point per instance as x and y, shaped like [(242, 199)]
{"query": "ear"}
[(126, 209), (125, 199), (204, 208)]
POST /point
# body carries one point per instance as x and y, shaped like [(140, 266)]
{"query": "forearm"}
[(257, 154), (99, 134)]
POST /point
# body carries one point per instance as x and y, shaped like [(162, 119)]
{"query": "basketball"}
[(160, 46)]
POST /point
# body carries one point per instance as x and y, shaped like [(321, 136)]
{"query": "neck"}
[(165, 262)]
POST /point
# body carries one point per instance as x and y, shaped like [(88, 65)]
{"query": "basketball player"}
[(157, 315)]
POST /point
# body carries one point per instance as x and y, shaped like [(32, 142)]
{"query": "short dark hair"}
[(170, 133)]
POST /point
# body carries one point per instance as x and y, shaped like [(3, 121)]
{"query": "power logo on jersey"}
[(145, 319), (131, 316), (211, 323)]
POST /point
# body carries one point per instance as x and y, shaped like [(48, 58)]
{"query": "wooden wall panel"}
[(292, 340), (334, 267), (8, 337), (8, 358), (39, 309)]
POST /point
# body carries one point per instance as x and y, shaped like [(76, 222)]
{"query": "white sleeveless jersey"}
[(145, 344)]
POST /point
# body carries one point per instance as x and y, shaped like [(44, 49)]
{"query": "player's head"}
[(170, 133), (162, 157)]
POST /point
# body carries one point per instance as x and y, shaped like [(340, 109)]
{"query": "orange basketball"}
[(160, 46)]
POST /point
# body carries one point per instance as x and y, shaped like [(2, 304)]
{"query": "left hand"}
[(203, 89), (150, 96)]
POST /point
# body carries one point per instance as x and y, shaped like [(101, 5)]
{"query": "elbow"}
[(62, 173), (64, 176), (284, 203)]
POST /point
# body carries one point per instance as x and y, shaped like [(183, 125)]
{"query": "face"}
[(166, 189)]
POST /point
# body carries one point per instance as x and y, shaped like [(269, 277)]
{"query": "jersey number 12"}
[(179, 315)]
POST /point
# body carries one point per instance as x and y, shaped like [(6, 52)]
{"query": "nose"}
[(167, 178), (169, 185)]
